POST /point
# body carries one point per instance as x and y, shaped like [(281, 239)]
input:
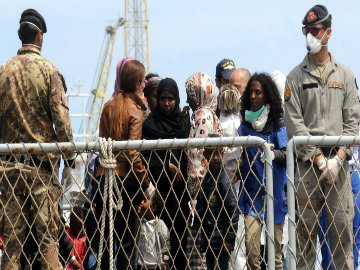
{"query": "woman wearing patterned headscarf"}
[(202, 99)]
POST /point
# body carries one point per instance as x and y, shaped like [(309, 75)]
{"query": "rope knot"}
[(107, 163), (106, 158)]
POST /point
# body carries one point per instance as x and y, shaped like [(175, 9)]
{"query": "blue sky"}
[(185, 36)]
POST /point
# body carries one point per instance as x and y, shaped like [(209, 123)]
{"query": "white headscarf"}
[(279, 79)]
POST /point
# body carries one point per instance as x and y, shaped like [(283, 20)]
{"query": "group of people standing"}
[(188, 208), (203, 190), (256, 110)]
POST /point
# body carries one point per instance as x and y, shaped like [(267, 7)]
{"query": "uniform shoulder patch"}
[(287, 94)]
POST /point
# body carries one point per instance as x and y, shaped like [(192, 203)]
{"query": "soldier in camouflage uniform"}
[(33, 108)]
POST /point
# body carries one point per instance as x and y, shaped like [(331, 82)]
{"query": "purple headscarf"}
[(119, 67)]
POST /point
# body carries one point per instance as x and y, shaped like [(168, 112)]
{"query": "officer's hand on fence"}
[(262, 156), (67, 179), (331, 172), (149, 192), (322, 164), (175, 172)]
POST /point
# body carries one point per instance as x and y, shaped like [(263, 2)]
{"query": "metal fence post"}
[(291, 203), (270, 206)]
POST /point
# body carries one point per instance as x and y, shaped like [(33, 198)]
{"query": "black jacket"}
[(218, 209)]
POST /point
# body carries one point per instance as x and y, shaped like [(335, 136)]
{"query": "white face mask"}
[(313, 44)]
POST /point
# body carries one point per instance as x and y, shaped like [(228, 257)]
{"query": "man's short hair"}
[(327, 23), (28, 32)]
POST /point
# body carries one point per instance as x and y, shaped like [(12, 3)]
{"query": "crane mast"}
[(136, 23), (137, 31), (99, 94)]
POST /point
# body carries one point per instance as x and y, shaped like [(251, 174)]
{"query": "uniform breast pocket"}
[(309, 96)]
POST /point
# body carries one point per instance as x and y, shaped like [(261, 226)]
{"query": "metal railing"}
[(143, 145), (297, 144)]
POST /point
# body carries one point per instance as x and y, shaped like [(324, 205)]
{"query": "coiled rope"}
[(108, 161)]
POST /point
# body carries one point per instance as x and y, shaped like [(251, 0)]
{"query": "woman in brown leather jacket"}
[(122, 119)]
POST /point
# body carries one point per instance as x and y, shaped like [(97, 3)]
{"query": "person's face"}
[(239, 82), (319, 32), (214, 157), (167, 103), (220, 82), (191, 103), (76, 226), (257, 97), (152, 99), (143, 207), (141, 85), (147, 209)]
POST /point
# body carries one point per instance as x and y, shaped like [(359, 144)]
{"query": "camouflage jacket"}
[(33, 105)]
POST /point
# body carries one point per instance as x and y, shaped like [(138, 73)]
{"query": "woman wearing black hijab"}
[(168, 168)]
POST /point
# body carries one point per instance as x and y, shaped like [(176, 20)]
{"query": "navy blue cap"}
[(33, 12), (225, 68), (317, 14)]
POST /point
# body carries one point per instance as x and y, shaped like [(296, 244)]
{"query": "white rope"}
[(107, 161)]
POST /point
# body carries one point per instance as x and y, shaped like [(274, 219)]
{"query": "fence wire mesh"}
[(105, 222), (324, 213)]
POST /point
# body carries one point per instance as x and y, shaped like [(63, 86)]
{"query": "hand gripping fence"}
[(108, 161)]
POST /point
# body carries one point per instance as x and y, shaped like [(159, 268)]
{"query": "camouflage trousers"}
[(336, 200), (24, 189)]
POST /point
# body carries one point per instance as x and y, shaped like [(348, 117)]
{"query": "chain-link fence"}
[(323, 202), (107, 221)]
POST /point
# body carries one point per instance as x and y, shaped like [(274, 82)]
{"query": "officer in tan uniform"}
[(321, 99), (33, 108)]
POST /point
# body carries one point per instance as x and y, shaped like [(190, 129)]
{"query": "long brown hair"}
[(131, 75)]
